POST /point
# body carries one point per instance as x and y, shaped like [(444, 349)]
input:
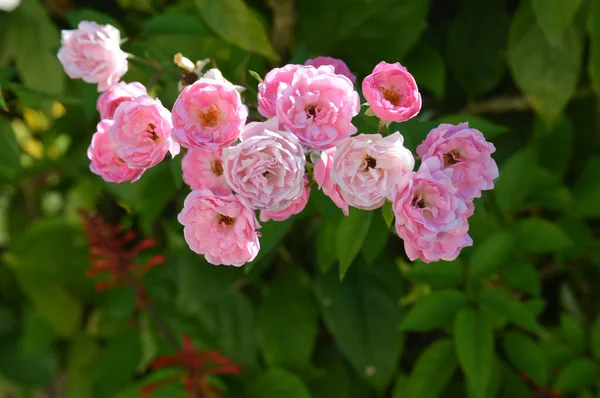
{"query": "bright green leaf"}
[(9, 151), (432, 370), (578, 374), (554, 16), (437, 274), (388, 213), (3, 106), (474, 343), (506, 305), (537, 235), (534, 363), (547, 73), (277, 383), (325, 255), (237, 24), (37, 335), (351, 234), (513, 184), (523, 276), (492, 253), (433, 310)]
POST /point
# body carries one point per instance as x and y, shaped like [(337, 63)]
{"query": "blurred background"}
[(514, 316)]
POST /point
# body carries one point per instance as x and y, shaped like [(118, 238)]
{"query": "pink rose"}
[(392, 92), (208, 114), (267, 169), (93, 53), (467, 153), (222, 228), (104, 159), (295, 207), (431, 217), (339, 66), (203, 169), (268, 89), (142, 132), (322, 175), (367, 168), (318, 107), (116, 94), (257, 128)]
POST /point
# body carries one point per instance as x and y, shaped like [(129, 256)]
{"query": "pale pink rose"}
[(339, 66), (268, 89), (431, 217), (257, 128), (322, 175), (142, 132), (295, 207), (318, 107), (93, 53), (221, 227), (203, 169), (208, 114), (267, 170), (116, 94), (392, 92), (467, 153), (104, 159), (367, 168)]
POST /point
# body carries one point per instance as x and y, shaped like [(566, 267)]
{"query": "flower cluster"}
[(237, 168)]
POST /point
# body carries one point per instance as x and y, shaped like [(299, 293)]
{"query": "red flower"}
[(197, 364), (111, 251)]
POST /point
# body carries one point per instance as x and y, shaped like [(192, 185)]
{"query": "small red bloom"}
[(197, 364)]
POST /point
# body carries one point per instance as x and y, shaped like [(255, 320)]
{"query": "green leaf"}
[(325, 254), (58, 307), (578, 374), (547, 73), (534, 363), (513, 386), (505, 304), (37, 335), (173, 22), (388, 213), (334, 378), (523, 276), (347, 25), (537, 235), (492, 253), (277, 383), (474, 343), (82, 355), (37, 39), (595, 338), (554, 16), (89, 14), (572, 333), (476, 59), (350, 236), (288, 313), (587, 189), (432, 370), (428, 69), (2, 101), (10, 164), (488, 129), (594, 32), (433, 310), (237, 24), (376, 239), (35, 370), (437, 274), (554, 145), (516, 177), (362, 314)]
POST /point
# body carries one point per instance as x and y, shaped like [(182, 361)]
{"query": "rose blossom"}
[(295, 207), (467, 153), (392, 92), (339, 66), (431, 217), (266, 169), (322, 175), (93, 53), (203, 169), (104, 159), (257, 128), (367, 167), (142, 132), (318, 107), (222, 228), (208, 114), (116, 94), (268, 89)]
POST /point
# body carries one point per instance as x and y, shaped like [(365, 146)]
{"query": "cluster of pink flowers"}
[(236, 169)]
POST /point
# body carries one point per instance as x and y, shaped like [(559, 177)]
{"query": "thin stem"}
[(381, 124), (144, 61)]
